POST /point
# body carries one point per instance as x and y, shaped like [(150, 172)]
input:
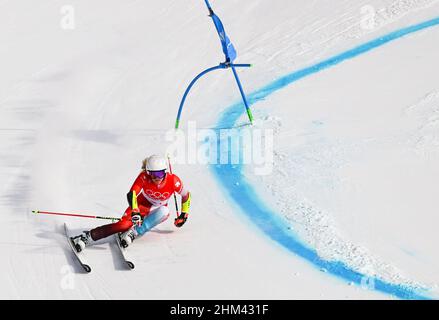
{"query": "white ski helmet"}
[(155, 163)]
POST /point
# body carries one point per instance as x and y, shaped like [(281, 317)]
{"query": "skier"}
[(148, 205)]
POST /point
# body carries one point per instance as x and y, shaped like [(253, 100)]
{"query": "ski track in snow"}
[(426, 111), (314, 42), (320, 228)]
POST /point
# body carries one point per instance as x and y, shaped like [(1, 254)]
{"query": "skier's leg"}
[(107, 230), (81, 241), (88, 237), (128, 236), (156, 216), (112, 228), (122, 226)]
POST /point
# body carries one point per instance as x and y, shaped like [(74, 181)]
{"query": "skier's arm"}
[(136, 218), (134, 192), (132, 200), (185, 206), (185, 202)]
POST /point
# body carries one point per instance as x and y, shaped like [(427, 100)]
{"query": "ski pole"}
[(175, 197), (74, 215)]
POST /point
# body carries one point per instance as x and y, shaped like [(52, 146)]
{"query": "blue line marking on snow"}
[(238, 189)]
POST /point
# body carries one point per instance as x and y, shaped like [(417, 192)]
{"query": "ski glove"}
[(136, 218), (178, 222)]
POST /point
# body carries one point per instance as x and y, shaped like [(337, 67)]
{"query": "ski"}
[(77, 255), (123, 252)]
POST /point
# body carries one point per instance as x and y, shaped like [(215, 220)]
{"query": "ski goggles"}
[(157, 174)]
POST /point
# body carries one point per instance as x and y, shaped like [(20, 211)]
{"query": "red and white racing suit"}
[(149, 198)]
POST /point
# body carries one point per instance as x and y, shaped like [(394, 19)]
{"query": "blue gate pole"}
[(247, 107), (180, 109), (208, 4), (220, 66)]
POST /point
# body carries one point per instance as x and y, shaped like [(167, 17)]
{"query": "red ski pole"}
[(74, 215)]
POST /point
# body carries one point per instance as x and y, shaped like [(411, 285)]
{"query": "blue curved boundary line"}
[(243, 194)]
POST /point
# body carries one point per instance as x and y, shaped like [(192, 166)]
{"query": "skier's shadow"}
[(118, 261), (60, 237), (161, 231), (117, 257), (70, 256)]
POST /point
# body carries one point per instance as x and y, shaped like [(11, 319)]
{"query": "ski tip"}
[(86, 268), (130, 265), (35, 211)]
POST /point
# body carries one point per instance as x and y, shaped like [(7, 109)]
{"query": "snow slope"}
[(81, 107)]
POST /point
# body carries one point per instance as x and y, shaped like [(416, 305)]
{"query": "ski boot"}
[(81, 241), (127, 237)]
